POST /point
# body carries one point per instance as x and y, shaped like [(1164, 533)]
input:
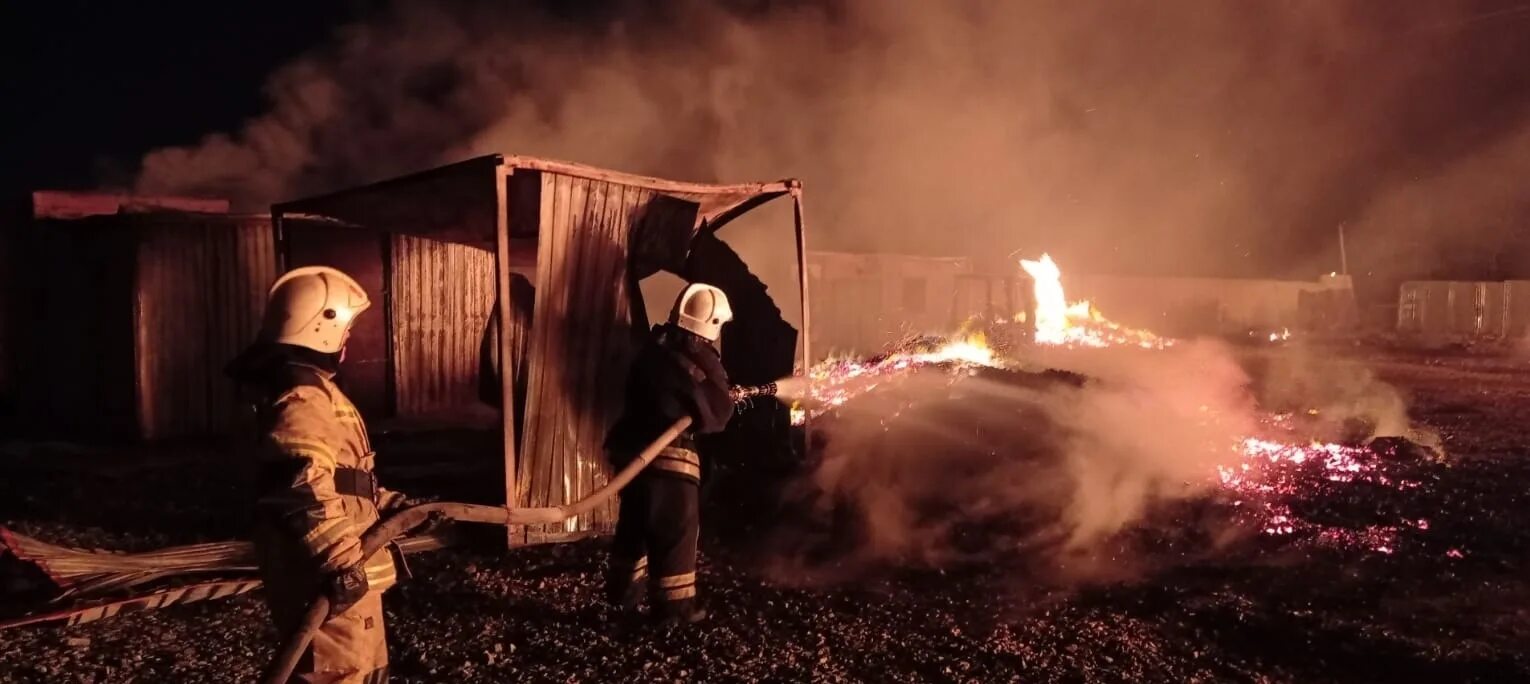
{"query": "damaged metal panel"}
[(200, 287), (441, 297), (582, 338)]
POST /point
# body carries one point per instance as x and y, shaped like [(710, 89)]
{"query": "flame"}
[(972, 349), (1077, 324), (838, 380)]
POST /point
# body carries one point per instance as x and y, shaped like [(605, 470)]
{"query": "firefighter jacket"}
[(675, 374), (317, 483)]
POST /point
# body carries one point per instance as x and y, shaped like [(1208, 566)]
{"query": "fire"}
[(971, 350), (1078, 324), (836, 381), (1272, 471)]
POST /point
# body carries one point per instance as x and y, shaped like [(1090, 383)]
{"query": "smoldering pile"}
[(949, 461)]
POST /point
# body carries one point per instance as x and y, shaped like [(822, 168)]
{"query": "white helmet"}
[(313, 307), (702, 309)]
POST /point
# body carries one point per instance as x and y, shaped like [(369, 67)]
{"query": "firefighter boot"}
[(674, 599), (626, 582)]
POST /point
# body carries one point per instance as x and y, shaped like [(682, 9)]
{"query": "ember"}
[(1274, 473)]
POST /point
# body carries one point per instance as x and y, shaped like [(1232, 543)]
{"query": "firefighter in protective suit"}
[(678, 373), (316, 490)]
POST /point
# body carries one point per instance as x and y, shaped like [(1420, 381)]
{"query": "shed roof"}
[(454, 203), (66, 204)]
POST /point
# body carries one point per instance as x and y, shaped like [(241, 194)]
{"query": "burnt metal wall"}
[(200, 289), (582, 336), (442, 295), (131, 320)]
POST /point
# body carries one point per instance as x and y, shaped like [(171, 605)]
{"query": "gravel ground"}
[(1259, 610)]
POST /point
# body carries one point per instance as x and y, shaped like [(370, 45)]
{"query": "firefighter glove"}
[(345, 587)]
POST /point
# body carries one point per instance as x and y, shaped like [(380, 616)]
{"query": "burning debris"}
[(1275, 477), (1271, 466), (1077, 324), (833, 382)]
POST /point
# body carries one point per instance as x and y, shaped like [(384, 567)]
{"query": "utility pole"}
[(1343, 255)]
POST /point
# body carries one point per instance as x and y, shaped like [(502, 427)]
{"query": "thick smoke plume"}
[(1187, 137)]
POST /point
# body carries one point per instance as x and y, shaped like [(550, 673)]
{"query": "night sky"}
[(100, 83), (96, 85)]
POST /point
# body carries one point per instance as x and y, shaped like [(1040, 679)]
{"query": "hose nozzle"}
[(740, 393)]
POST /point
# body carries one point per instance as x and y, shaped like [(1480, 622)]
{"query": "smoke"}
[(1173, 136), (929, 471), (1342, 399), (1154, 431), (1456, 219)]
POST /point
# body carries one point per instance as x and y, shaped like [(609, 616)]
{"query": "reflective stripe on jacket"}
[(312, 430)]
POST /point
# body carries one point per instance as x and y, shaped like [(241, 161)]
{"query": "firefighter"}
[(316, 489), (678, 373)]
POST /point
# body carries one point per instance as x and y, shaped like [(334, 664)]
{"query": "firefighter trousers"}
[(349, 648), (656, 533)]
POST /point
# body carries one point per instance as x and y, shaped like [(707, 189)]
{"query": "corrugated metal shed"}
[(133, 316), (1471, 309), (581, 236)]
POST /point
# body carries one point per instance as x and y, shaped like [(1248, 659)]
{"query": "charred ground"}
[(1451, 602)]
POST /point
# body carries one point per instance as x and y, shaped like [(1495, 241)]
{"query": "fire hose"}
[(396, 525)]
